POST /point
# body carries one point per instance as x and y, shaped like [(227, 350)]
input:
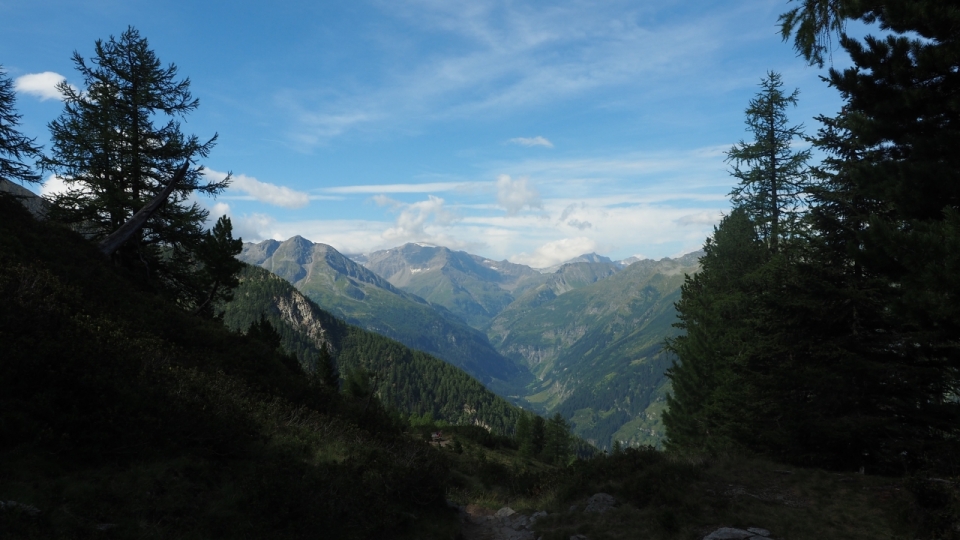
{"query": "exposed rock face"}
[(33, 202), (296, 310)]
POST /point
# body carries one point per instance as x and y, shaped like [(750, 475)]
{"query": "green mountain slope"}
[(412, 381), (122, 416), (596, 350), (361, 297), (472, 287), (567, 277)]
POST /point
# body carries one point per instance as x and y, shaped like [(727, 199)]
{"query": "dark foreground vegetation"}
[(121, 412), (125, 417), (822, 332)]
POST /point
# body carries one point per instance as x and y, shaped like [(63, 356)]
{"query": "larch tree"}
[(15, 147), (772, 175), (116, 146)]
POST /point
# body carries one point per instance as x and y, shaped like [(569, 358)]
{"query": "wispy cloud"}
[(532, 141), (427, 187), (40, 85), (263, 191), (504, 57), (513, 195), (414, 220)]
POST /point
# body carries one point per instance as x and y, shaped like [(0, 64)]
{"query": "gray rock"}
[(600, 503), (536, 516), (728, 533), (578, 537), (25, 508), (506, 511), (758, 531)]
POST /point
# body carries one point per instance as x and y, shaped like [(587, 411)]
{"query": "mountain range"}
[(583, 338)]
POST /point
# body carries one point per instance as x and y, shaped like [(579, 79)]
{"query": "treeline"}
[(410, 381), (823, 328)]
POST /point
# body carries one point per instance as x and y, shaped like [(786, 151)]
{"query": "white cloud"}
[(53, 186), (263, 191), (41, 85), (579, 224), (532, 141), (513, 195), (556, 252), (219, 209), (699, 219), (414, 220)]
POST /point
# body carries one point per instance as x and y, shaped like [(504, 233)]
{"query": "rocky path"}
[(478, 523)]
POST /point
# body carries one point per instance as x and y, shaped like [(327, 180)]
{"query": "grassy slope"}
[(120, 413), (664, 497)]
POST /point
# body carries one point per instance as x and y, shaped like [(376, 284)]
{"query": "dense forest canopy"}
[(839, 345)]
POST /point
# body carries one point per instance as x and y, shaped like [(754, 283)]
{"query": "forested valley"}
[(153, 386)]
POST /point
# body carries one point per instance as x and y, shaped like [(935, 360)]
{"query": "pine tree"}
[(887, 217), (114, 158), (264, 332), (216, 268), (556, 447), (538, 435), (772, 184), (523, 434), (14, 146), (715, 311), (326, 370)]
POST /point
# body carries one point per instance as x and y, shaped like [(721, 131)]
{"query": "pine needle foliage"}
[(14, 146)]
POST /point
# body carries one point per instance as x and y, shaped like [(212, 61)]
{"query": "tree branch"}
[(112, 243)]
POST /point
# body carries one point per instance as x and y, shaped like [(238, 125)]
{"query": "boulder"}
[(728, 533), (600, 503)]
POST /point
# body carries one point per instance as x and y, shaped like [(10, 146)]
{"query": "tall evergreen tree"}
[(523, 433), (538, 434), (217, 267), (774, 176), (14, 146), (116, 144), (715, 310), (326, 370), (887, 215), (557, 439)]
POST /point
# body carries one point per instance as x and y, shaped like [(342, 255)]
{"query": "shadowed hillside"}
[(124, 416)]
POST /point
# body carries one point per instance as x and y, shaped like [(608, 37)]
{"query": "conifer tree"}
[(116, 144), (264, 332), (774, 176), (556, 447), (538, 434), (326, 370), (523, 434), (14, 146), (715, 310)]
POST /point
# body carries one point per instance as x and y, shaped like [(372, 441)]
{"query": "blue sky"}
[(528, 131)]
